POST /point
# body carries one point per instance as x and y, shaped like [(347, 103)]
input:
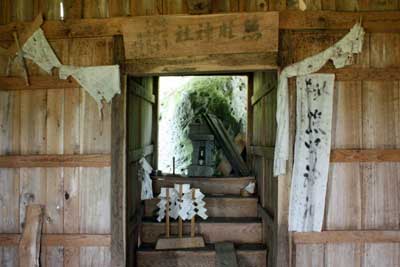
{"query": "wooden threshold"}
[(64, 240), (45, 161), (358, 236)]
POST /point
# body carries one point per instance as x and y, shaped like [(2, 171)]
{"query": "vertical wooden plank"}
[(29, 244), (55, 145), (382, 255), (73, 9), (95, 9), (148, 7), (119, 8), (343, 255), (381, 198), (93, 256), (22, 10), (256, 5), (5, 11), (72, 105), (33, 141), (118, 166), (343, 207), (375, 5), (225, 6), (175, 7), (9, 178), (384, 50), (310, 255), (9, 257), (347, 5), (94, 200), (54, 256)]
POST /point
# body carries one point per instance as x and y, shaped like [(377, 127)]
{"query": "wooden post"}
[(167, 225), (180, 224), (29, 245), (193, 221)]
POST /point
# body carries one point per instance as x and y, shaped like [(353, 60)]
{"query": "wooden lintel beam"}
[(364, 74), (36, 83), (372, 21), (45, 161), (64, 240), (358, 236), (365, 155)]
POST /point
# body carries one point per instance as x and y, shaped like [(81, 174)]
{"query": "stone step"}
[(217, 206), (236, 230), (247, 256), (207, 185)]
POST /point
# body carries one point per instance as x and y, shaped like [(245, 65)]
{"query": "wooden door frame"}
[(119, 233)]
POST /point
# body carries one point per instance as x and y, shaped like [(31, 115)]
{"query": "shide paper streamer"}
[(144, 173), (312, 151), (101, 82), (341, 54), (186, 208)]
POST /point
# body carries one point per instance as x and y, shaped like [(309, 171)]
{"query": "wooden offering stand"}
[(168, 242)]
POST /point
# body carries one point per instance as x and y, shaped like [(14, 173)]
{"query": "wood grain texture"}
[(365, 155), (207, 185), (63, 240), (221, 206), (211, 34), (29, 244), (246, 258), (237, 232), (55, 161), (370, 236), (317, 20), (36, 83)]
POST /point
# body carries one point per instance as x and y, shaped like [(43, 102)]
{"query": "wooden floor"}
[(232, 218)]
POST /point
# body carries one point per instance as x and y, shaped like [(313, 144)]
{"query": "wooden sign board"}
[(198, 35)]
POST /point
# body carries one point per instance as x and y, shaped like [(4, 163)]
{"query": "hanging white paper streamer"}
[(162, 204), (312, 151), (101, 82), (38, 49), (250, 188), (144, 173), (186, 208), (341, 54)]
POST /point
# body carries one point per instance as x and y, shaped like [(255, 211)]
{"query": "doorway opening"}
[(186, 145)]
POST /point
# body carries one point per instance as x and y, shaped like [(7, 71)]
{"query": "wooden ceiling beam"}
[(373, 21)]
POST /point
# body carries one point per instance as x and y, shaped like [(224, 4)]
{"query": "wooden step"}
[(247, 256), (207, 185), (217, 206), (236, 230)]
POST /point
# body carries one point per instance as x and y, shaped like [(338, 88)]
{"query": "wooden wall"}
[(141, 142), (66, 121), (263, 109), (361, 195)]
